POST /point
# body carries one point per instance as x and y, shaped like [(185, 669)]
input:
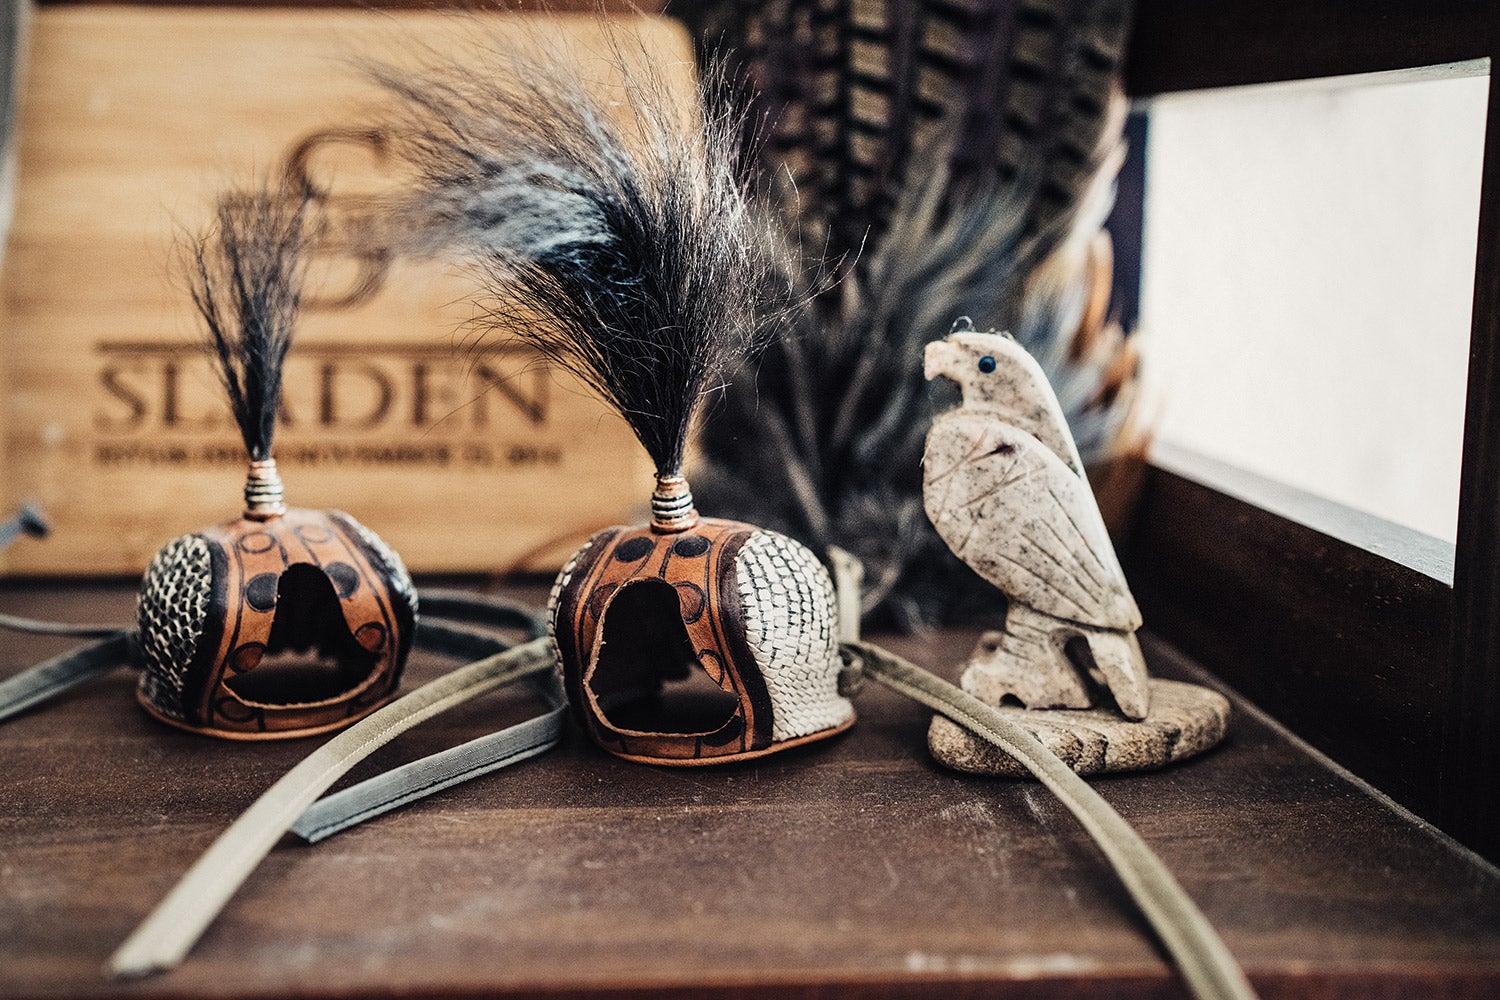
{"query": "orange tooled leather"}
[(249, 558), (700, 564)]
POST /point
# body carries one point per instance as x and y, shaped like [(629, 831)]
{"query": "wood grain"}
[(854, 868), (1390, 671), (131, 121), (1188, 45), (1347, 648)]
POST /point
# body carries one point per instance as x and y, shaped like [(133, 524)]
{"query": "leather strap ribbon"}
[(167, 935), (171, 930), (52, 677), (181, 918), (1205, 963), (117, 647), (406, 784)]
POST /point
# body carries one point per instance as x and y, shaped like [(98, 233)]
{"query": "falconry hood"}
[(648, 276), (711, 643), (281, 622)]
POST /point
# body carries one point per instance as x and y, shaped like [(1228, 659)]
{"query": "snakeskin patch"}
[(790, 627), (170, 615)]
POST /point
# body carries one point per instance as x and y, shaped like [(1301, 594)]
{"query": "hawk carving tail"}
[(1117, 655)]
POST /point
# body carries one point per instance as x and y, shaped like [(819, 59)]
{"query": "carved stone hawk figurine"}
[(1004, 486)]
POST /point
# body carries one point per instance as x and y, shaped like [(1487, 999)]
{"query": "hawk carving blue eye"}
[(987, 364)]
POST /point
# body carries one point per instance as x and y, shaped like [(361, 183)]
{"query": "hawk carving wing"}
[(1012, 510)]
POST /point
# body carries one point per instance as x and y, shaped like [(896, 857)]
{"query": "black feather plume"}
[(622, 247), (245, 275)]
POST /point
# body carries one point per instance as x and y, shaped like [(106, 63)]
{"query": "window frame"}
[(1386, 668)]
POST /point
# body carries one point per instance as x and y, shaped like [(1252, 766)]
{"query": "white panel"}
[(1307, 283)]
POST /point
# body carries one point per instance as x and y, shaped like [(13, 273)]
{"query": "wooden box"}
[(463, 453)]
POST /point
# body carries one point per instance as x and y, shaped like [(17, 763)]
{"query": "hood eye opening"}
[(310, 656), (646, 676)]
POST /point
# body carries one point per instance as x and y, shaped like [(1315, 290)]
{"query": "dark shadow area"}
[(648, 678), (311, 656)]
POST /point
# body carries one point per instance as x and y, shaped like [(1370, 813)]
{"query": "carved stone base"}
[(1185, 720)]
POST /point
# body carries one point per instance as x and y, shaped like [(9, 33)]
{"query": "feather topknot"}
[(622, 247), (246, 274)]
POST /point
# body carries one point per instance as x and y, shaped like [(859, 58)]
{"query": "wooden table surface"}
[(855, 867)]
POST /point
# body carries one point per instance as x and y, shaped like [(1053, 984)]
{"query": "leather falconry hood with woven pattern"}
[(709, 643), (631, 256), (282, 622)]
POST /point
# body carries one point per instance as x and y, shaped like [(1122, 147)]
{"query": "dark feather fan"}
[(246, 275), (865, 98), (965, 151), (623, 247), (956, 155)]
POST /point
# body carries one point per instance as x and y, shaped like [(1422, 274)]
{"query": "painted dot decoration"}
[(691, 546), (345, 578), (260, 592), (634, 549)]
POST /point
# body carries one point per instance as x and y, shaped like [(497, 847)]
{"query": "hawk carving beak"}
[(940, 358)]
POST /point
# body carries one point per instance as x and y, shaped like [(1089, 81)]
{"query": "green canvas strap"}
[(480, 609), (380, 794), (166, 936), (117, 647), (431, 774), (77, 630), (164, 939), (406, 784), (51, 678), (444, 629), (1205, 963)]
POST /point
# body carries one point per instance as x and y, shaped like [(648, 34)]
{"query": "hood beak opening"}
[(311, 656), (646, 677)]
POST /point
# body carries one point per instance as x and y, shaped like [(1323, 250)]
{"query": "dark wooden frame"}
[(1390, 670)]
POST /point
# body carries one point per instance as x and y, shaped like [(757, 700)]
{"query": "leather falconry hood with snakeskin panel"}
[(641, 613), (217, 607), (647, 277), (283, 622)]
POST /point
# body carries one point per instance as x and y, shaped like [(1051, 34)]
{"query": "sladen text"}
[(160, 403)]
